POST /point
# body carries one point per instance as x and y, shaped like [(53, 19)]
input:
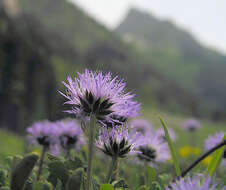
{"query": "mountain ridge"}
[(178, 55)]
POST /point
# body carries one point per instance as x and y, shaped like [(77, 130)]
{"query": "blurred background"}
[(172, 55)]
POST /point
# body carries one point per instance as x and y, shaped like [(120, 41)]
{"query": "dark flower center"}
[(192, 128), (147, 154), (44, 141), (67, 141), (116, 120), (91, 105), (117, 149), (141, 130)]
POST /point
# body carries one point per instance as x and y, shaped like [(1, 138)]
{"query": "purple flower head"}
[(70, 134), (42, 133), (155, 150), (195, 183), (95, 93), (213, 140), (192, 125), (141, 125), (118, 141), (161, 134)]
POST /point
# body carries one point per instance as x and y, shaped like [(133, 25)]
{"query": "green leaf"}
[(42, 186), (22, 171), (217, 156), (172, 149), (152, 174), (74, 163), (106, 187), (156, 186), (3, 177), (4, 188), (58, 171), (75, 181)]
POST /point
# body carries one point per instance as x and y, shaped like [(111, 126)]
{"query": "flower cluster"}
[(100, 95), (100, 99), (53, 135)]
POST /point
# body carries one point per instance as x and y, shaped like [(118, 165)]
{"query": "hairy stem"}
[(90, 153), (112, 168), (41, 162), (115, 171)]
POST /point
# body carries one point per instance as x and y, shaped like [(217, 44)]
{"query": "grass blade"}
[(172, 149), (214, 163)]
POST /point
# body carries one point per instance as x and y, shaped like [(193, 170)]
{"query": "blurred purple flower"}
[(141, 125), (100, 95), (196, 183), (43, 133), (213, 140), (70, 134), (118, 141), (161, 134), (192, 125), (155, 150)]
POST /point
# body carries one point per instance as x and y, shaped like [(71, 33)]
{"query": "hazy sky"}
[(205, 19)]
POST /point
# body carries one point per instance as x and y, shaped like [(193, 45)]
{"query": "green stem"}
[(146, 173), (68, 153), (90, 153), (115, 171), (112, 168), (41, 162)]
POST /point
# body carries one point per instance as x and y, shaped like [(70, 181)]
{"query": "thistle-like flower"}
[(42, 133), (100, 95), (196, 183), (45, 134), (154, 150), (141, 125), (192, 125), (118, 141), (214, 140), (70, 134)]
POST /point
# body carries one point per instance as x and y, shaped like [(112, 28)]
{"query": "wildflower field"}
[(108, 141)]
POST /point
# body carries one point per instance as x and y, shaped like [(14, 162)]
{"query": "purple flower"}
[(195, 183), (141, 125), (155, 150), (70, 134), (42, 133), (95, 93), (213, 140), (161, 134), (192, 125), (118, 141)]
